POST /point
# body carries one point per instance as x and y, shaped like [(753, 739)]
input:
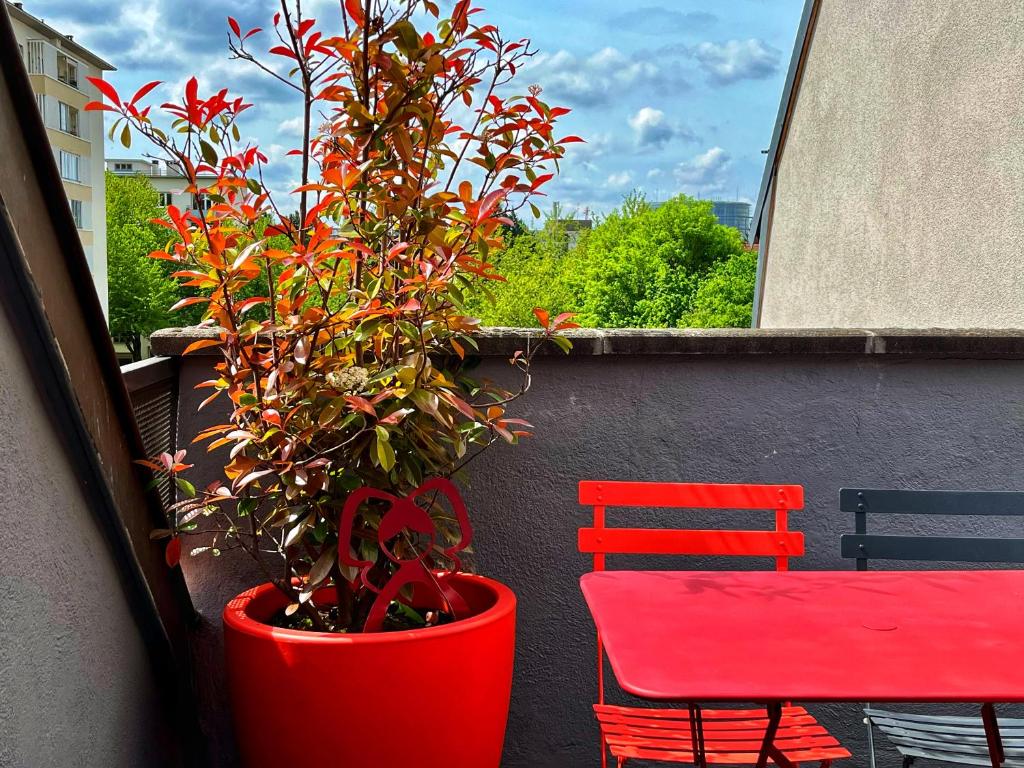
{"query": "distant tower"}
[(733, 214)]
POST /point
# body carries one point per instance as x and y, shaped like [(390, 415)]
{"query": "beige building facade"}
[(894, 190), (169, 182), (58, 68)]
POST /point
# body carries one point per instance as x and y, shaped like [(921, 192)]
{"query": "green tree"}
[(725, 298), (535, 265), (140, 289), (641, 267)]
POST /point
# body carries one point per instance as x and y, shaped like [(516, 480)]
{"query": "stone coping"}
[(926, 343)]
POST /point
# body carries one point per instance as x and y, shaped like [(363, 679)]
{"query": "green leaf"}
[(295, 534), (126, 135), (322, 567), (385, 454), (185, 486), (208, 152)]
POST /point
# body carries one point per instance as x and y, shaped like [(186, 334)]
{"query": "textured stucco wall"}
[(823, 421), (901, 186), (76, 687)]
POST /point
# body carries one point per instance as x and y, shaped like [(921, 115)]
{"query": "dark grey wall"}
[(824, 420), (76, 682)]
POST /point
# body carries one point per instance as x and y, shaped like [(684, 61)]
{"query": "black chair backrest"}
[(969, 549)]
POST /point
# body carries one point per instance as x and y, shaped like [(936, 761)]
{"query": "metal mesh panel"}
[(156, 407)]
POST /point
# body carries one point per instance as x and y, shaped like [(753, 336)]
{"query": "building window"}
[(122, 167), (69, 119), (67, 70), (201, 202), (41, 103), (70, 166), (76, 213), (166, 198)]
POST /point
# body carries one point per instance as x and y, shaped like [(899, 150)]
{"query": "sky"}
[(671, 96)]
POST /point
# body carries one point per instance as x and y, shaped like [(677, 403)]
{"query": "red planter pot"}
[(435, 697)]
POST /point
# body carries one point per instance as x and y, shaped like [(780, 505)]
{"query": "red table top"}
[(762, 636)]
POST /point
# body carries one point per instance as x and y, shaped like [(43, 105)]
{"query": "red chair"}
[(731, 736)]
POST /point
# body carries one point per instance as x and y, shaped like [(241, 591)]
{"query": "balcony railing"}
[(822, 408)]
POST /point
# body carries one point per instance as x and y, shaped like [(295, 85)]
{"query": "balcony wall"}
[(823, 409)]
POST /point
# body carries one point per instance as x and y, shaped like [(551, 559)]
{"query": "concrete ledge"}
[(496, 342)]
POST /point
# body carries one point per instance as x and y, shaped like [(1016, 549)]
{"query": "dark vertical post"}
[(995, 743), (861, 522)]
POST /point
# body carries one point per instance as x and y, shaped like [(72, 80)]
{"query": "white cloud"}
[(706, 173), (736, 60), (654, 173), (291, 127), (597, 79), (651, 128), (619, 180)]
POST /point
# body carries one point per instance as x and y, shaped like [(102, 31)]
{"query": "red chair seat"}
[(731, 736)]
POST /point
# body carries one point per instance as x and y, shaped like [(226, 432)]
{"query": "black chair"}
[(946, 738)]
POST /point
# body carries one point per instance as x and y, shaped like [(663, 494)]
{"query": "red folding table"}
[(772, 637)]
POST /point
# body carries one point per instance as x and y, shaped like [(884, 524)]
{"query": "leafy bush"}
[(725, 297), (640, 267), (349, 397)]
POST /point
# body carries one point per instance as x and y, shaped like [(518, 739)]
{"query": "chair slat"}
[(940, 724), (897, 502), (691, 495), (967, 549), (660, 728), (726, 758), (952, 732), (914, 717), (950, 757), (655, 541)]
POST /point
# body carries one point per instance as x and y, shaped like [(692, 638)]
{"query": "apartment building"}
[(58, 68), (167, 180)]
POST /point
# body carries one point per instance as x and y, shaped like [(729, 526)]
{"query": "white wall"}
[(900, 190)]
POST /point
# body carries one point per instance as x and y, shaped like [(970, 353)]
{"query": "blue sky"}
[(672, 96)]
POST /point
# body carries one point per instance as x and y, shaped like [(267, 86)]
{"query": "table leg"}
[(768, 748), (700, 758), (995, 742)]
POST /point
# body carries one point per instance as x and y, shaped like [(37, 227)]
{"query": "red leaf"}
[(201, 344), (305, 26), (172, 555), (93, 106), (144, 90), (361, 404), (186, 302), (105, 88), (280, 50), (542, 316), (542, 180), (234, 27), (355, 11), (489, 203), (572, 140)]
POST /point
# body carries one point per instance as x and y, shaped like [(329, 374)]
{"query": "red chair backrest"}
[(779, 543)]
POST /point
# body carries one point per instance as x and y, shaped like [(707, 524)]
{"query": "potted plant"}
[(345, 365)]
